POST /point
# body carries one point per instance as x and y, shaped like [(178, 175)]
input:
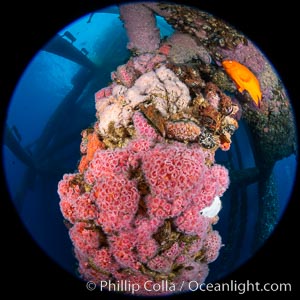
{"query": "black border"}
[(28, 25)]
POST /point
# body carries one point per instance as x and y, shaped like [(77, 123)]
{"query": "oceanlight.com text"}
[(240, 287), (166, 287)]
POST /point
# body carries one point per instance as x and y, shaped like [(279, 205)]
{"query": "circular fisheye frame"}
[(162, 153)]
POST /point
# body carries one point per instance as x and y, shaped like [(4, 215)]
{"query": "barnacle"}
[(210, 118), (207, 140), (155, 117), (226, 106)]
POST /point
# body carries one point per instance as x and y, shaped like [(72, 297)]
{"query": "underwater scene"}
[(181, 159)]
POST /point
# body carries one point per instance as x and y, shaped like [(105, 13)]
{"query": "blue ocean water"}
[(47, 88)]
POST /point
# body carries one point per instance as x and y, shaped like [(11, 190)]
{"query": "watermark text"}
[(165, 286)]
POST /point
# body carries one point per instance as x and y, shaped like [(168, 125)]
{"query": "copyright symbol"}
[(91, 285)]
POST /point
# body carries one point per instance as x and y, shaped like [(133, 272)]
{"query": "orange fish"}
[(244, 79)]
